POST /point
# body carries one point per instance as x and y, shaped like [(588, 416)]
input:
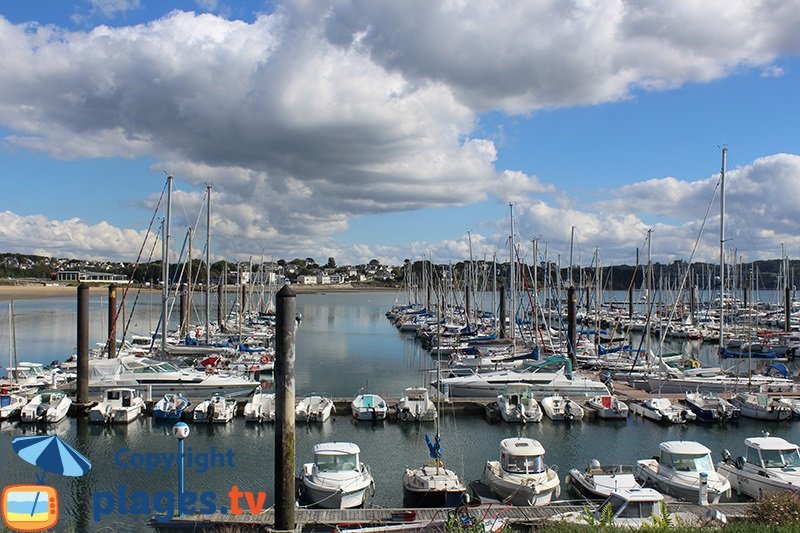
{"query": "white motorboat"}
[(552, 375), (517, 404), (661, 410), (710, 407), (608, 406), (11, 405), (170, 407), (337, 479), (47, 406), (260, 407), (598, 481), (520, 477), (119, 406), (369, 407), (415, 406), (679, 469), (761, 406), (162, 377), (559, 407), (314, 408), (218, 409), (770, 465)]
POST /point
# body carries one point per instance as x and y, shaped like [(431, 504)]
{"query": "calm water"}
[(344, 343)]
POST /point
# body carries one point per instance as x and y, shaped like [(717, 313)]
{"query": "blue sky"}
[(369, 129)]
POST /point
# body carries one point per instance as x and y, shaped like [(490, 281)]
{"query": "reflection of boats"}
[(709, 407), (47, 406), (759, 405), (11, 405), (608, 406), (599, 481), (678, 471), (337, 479), (558, 407), (661, 410), (217, 409), (369, 407), (415, 406), (520, 477), (120, 406), (770, 465), (517, 404), (260, 407), (313, 408), (170, 407)]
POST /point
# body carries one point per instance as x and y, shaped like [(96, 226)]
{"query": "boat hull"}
[(534, 491)]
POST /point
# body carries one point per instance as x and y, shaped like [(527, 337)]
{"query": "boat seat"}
[(596, 471)]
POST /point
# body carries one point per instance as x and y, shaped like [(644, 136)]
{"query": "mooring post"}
[(502, 312), (285, 325), (83, 345), (572, 329), (112, 320)]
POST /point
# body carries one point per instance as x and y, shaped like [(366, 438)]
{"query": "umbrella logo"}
[(35, 507)]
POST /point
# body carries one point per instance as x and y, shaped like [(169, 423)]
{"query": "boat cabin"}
[(631, 506), (121, 397), (771, 452), (685, 456), (336, 456), (522, 456)]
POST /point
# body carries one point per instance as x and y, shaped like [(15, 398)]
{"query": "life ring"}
[(264, 359)]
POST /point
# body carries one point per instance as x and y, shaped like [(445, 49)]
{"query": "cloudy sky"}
[(369, 129)]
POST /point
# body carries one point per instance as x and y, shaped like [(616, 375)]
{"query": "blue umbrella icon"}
[(51, 454)]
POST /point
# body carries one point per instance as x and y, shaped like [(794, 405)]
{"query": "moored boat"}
[(260, 407), (337, 479), (598, 481), (217, 409), (369, 407), (314, 408), (521, 477), (661, 410), (761, 406), (608, 406), (170, 407), (517, 404), (415, 406), (119, 406), (48, 406), (770, 465), (558, 407), (11, 405)]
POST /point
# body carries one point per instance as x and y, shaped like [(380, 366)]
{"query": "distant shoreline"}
[(31, 291)]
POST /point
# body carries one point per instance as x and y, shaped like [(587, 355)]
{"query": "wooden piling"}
[(83, 344), (112, 320), (285, 325)]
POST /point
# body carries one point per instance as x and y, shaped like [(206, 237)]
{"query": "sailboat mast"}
[(208, 263), (165, 282), (722, 251), (512, 274)]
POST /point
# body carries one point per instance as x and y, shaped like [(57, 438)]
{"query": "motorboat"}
[(433, 485), (119, 406), (608, 406), (314, 408), (217, 409), (710, 407), (337, 479), (679, 470), (598, 481), (521, 477), (769, 465), (369, 407), (636, 508), (162, 377), (517, 404), (47, 406), (761, 406), (661, 410), (559, 407), (260, 407), (552, 375), (11, 404), (415, 406), (794, 405), (170, 407)]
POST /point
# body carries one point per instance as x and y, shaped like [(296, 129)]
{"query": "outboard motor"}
[(41, 411), (210, 412)]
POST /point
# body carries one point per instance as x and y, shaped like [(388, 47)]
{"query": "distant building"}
[(89, 277), (323, 279), (307, 280)]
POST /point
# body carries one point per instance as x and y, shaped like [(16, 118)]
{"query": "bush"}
[(776, 509)]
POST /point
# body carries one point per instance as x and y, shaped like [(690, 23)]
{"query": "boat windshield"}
[(539, 366), (524, 464), (336, 463), (693, 462), (637, 510), (780, 458)]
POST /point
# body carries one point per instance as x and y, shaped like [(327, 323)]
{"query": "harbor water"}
[(344, 344)]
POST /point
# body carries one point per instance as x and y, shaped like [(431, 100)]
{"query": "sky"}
[(369, 129)]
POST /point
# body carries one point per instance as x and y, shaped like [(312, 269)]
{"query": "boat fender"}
[(264, 359)]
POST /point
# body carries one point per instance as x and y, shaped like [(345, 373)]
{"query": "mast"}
[(512, 276), (165, 283), (722, 251), (208, 262)]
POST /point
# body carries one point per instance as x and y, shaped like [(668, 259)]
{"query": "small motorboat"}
[(598, 481), (218, 409), (661, 410), (415, 406), (369, 407), (11, 404), (170, 407), (48, 406), (120, 405), (761, 406), (260, 407), (520, 477), (770, 465), (433, 485), (679, 471), (313, 408), (559, 407), (518, 404), (608, 406), (709, 407), (337, 479)]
